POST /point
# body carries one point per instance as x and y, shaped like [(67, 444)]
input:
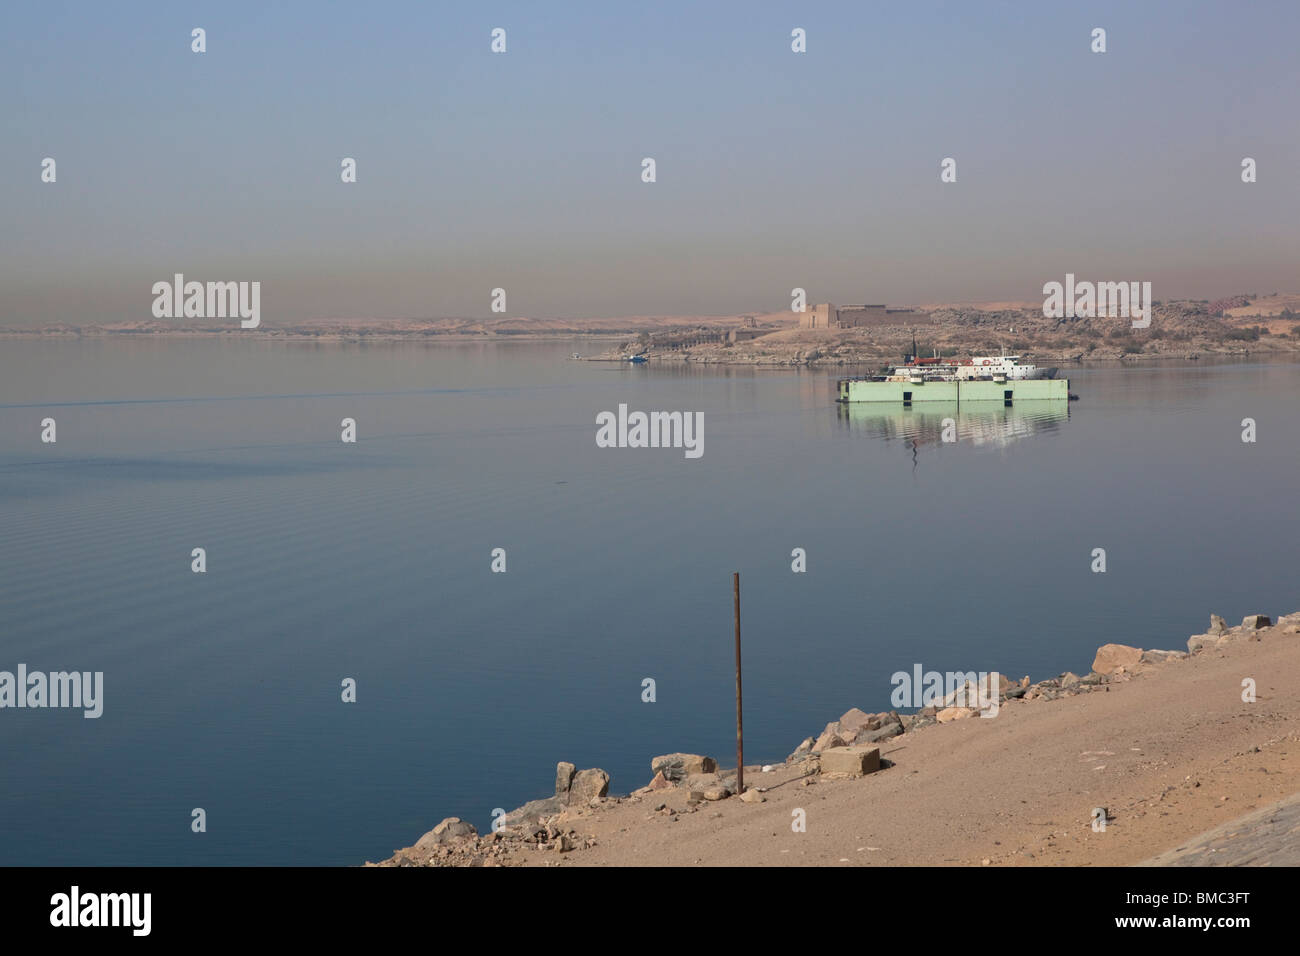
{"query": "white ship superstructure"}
[(995, 368), (991, 366)]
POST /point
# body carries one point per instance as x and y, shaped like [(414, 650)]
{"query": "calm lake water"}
[(372, 561)]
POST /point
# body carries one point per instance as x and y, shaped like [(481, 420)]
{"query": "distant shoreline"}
[(616, 346), (294, 335), (1191, 330)]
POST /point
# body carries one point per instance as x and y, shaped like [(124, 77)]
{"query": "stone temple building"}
[(827, 316), (824, 316)]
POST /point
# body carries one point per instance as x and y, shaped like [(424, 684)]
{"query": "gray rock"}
[(535, 811), (1217, 625), (885, 731), (700, 781), (449, 830), (564, 772), (1235, 635), (680, 766), (1198, 642), (1160, 657), (1253, 622)]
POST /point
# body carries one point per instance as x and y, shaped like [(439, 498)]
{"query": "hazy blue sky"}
[(522, 170)]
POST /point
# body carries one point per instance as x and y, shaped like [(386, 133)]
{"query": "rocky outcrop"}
[(1254, 627), (498, 848), (535, 811), (450, 830), (588, 786), (564, 773), (573, 788), (970, 693), (829, 739), (702, 781), (695, 773), (677, 767), (855, 727), (889, 725), (1116, 658), (848, 746), (1112, 664), (539, 824), (854, 720), (1162, 657)]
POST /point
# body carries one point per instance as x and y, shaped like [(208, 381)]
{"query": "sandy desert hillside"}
[(1162, 744)]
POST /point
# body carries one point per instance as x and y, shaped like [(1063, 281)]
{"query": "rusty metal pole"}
[(740, 726)]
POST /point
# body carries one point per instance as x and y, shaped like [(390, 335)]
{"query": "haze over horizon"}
[(522, 170)]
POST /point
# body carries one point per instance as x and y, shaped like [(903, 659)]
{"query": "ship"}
[(981, 378)]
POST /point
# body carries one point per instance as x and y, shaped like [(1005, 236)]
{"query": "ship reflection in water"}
[(934, 423)]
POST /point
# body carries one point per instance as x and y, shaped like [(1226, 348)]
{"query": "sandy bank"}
[(1170, 750)]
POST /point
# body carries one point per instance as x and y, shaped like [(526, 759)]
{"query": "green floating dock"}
[(910, 393)]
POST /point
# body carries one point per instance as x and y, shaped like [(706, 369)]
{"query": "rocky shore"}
[(582, 817), (1182, 330)]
